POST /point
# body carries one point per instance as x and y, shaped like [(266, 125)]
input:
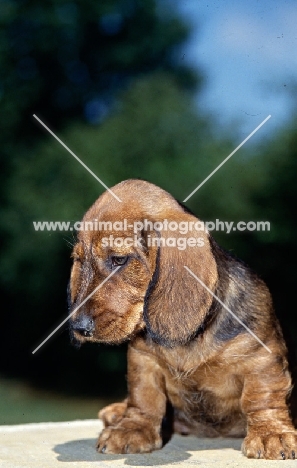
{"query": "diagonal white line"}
[(228, 157), (227, 308), (77, 158), (76, 309)]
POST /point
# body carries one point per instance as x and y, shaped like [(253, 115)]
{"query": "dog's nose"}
[(83, 325)]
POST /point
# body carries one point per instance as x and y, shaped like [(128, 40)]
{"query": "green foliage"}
[(65, 59)]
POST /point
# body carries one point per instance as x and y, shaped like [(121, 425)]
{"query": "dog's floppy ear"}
[(176, 304)]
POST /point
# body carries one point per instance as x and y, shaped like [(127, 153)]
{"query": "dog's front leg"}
[(270, 433), (139, 429)]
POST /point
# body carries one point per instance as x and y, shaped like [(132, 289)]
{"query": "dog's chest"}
[(203, 394)]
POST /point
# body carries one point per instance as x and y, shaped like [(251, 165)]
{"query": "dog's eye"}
[(118, 260)]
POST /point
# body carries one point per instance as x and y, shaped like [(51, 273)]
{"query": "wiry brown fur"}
[(185, 348)]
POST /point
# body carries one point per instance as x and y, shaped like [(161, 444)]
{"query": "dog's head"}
[(128, 269)]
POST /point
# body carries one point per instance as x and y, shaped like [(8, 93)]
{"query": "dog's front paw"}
[(280, 446), (129, 436), (112, 414)]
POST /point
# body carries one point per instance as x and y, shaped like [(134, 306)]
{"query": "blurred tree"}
[(65, 59)]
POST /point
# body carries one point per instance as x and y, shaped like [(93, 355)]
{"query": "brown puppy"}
[(185, 347)]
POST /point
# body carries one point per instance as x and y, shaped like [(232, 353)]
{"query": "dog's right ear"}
[(176, 304)]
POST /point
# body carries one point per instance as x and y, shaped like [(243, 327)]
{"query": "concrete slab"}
[(72, 444)]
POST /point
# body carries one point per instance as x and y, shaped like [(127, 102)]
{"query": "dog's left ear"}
[(176, 304)]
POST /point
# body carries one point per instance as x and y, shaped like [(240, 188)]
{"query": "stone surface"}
[(72, 444)]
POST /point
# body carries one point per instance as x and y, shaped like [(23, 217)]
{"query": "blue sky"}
[(247, 51)]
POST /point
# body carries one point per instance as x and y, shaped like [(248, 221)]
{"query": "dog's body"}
[(210, 346)]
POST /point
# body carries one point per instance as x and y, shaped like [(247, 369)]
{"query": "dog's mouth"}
[(77, 339), (87, 334), (83, 335)]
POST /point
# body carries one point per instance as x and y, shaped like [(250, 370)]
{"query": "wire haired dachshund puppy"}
[(222, 374)]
